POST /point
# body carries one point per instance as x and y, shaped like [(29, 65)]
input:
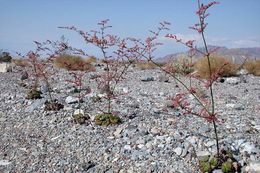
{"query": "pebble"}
[(233, 80), (178, 151), (4, 162), (71, 100)]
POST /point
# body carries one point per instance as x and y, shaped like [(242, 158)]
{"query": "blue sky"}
[(233, 23)]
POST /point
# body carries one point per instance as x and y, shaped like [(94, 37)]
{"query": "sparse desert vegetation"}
[(219, 64), (73, 63), (253, 67)]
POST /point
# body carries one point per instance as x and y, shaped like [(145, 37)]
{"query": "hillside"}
[(235, 54)]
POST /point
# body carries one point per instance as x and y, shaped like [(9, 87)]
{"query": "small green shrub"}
[(5, 57), (213, 162), (106, 119), (34, 94), (182, 65), (205, 167), (226, 167), (80, 118)]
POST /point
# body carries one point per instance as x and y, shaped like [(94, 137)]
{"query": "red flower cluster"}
[(203, 8)]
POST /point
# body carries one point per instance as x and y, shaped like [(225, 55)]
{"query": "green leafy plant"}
[(106, 119), (80, 118), (226, 167), (34, 94)]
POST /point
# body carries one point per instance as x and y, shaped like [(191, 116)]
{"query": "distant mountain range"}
[(236, 55)]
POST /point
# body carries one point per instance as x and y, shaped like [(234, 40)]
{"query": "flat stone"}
[(202, 154), (233, 80), (217, 171), (253, 167), (210, 143), (163, 78), (118, 132), (155, 131), (178, 151), (35, 105), (4, 162), (127, 147), (147, 79), (250, 148), (71, 100), (78, 111)]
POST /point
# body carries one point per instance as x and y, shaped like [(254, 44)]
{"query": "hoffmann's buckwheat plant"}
[(117, 60), (207, 109)]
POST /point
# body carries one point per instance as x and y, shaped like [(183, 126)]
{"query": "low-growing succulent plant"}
[(226, 167), (106, 119), (205, 167), (34, 94), (226, 162), (80, 118), (213, 162)]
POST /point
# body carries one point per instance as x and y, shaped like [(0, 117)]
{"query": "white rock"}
[(125, 90), (192, 139), (35, 105), (78, 111), (140, 146), (70, 100), (233, 80), (178, 151), (4, 162), (201, 154), (253, 167), (127, 147), (155, 131), (102, 95), (23, 149), (242, 72), (54, 138), (210, 143), (5, 67), (230, 105), (161, 145), (217, 171), (118, 131), (248, 147)]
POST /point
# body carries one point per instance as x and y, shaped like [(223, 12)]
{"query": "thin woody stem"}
[(201, 20)]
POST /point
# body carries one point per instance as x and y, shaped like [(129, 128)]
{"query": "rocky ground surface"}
[(154, 137)]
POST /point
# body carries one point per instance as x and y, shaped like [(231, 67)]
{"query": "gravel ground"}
[(152, 138)]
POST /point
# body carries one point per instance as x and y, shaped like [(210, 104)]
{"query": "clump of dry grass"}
[(91, 59), (219, 64), (253, 67), (145, 65), (182, 65), (73, 63), (20, 62)]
